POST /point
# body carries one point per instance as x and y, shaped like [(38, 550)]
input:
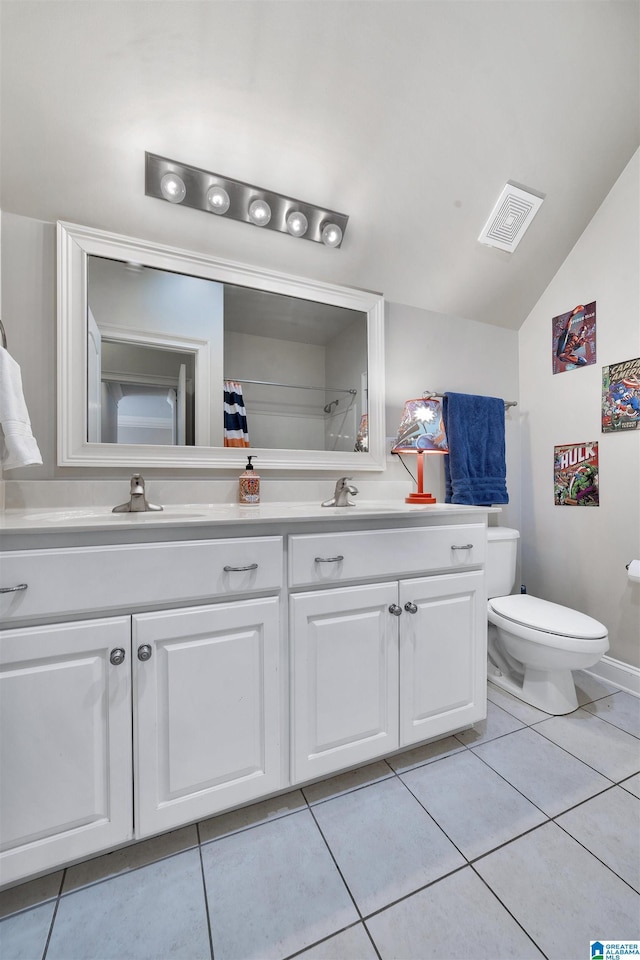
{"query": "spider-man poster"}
[(574, 338)]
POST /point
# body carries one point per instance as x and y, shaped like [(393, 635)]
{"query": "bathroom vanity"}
[(161, 668)]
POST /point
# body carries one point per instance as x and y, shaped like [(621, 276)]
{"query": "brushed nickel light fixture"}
[(189, 186)]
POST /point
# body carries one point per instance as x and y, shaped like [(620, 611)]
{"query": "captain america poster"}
[(621, 396)]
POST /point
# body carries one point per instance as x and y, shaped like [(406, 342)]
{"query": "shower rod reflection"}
[(295, 386)]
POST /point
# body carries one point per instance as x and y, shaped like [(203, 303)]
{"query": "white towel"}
[(17, 443)]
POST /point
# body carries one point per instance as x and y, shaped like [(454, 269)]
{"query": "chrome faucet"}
[(341, 494), (137, 502)]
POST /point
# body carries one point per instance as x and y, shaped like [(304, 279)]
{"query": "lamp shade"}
[(421, 431), (421, 428)]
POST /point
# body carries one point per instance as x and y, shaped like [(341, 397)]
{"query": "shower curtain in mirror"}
[(235, 416)]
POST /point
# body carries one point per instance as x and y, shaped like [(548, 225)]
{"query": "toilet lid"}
[(550, 617)]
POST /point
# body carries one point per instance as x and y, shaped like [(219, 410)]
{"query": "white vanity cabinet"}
[(383, 665), (124, 727), (65, 743), (344, 675), (206, 710), (443, 655), (151, 677)]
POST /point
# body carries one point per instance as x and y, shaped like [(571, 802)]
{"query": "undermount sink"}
[(165, 514), (105, 514)]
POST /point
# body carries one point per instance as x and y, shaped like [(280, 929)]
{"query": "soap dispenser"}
[(249, 484)]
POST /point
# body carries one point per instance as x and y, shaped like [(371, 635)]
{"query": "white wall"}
[(433, 351), (278, 416), (574, 555)]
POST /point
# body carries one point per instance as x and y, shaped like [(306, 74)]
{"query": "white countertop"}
[(65, 519)]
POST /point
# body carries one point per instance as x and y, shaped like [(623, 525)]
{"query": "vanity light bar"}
[(189, 186)]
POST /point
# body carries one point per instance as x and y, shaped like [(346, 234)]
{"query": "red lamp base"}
[(420, 498)]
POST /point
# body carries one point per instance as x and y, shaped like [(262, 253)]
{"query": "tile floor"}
[(517, 839)]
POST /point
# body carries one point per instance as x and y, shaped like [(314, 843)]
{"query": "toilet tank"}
[(501, 560)]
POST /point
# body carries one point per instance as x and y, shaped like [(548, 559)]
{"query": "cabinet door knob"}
[(465, 546), (249, 566), (395, 610), (329, 559), (20, 586), (410, 607), (144, 652), (117, 656)]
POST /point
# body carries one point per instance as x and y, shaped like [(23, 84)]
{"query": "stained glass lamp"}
[(421, 432)]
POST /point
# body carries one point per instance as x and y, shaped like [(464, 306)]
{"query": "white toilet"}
[(533, 645)]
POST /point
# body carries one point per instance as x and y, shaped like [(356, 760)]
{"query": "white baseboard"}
[(615, 671)]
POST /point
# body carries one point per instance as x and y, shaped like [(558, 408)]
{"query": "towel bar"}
[(430, 394)]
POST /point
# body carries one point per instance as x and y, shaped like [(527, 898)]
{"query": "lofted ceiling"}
[(407, 115)]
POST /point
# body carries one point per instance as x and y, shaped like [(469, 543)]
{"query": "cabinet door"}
[(207, 710), (443, 655), (65, 741), (344, 648)]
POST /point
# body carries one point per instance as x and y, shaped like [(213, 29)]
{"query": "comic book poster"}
[(574, 338), (621, 396), (575, 475)]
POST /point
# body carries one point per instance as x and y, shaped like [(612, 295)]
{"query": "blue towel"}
[(475, 468)]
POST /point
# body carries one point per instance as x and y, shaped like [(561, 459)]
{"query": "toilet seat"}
[(546, 622), (549, 617)]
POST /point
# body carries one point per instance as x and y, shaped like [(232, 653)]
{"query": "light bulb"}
[(297, 223), (218, 199), (331, 235), (172, 188), (259, 212)]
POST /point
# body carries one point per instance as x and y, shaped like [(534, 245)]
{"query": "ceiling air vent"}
[(512, 214)]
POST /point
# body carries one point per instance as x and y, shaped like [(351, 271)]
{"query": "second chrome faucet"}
[(341, 494)]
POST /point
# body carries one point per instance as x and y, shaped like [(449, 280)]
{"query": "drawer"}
[(336, 557), (82, 580)]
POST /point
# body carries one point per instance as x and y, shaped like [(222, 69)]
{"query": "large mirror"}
[(169, 358)]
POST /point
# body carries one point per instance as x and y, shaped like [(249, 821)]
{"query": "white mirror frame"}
[(77, 243)]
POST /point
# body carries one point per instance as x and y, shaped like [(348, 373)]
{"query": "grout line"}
[(126, 872), (480, 856), (326, 842), (537, 806), (501, 846), (206, 897), (317, 943), (407, 896), (607, 720), (505, 907), (250, 826), (373, 943), (595, 855), (54, 915), (433, 819), (344, 793), (566, 750)]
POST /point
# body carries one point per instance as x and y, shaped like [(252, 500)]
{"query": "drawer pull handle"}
[(250, 566), (410, 607), (117, 656), (395, 610), (330, 559), (21, 586), (465, 546), (144, 652)]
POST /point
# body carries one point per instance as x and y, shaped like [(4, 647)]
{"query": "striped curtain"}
[(235, 416)]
